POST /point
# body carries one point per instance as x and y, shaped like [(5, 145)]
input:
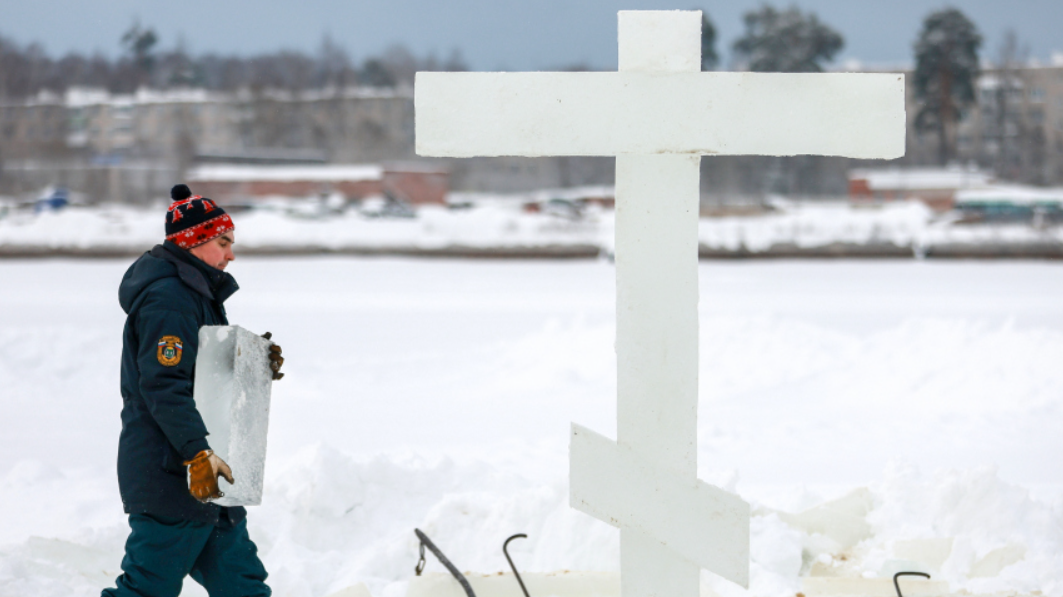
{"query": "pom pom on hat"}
[(180, 191)]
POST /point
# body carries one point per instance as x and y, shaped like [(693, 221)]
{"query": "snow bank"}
[(311, 224), (814, 225), (330, 520)]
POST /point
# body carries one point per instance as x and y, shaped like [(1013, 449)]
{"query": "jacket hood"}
[(170, 261), (145, 271)]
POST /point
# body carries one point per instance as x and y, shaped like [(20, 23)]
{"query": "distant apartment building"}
[(133, 147), (1014, 130), (32, 129), (346, 126)]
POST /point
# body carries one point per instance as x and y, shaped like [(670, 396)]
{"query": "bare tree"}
[(455, 62), (139, 43), (401, 63), (334, 68)]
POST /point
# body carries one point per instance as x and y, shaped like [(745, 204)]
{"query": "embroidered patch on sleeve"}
[(169, 352)]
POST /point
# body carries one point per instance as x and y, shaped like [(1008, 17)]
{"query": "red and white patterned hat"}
[(192, 220)]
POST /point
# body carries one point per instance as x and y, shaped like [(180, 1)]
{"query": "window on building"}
[(1037, 95)]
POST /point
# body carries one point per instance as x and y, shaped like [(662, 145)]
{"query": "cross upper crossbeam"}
[(855, 115)]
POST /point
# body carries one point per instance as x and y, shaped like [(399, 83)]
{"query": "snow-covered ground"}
[(438, 395), (284, 224)]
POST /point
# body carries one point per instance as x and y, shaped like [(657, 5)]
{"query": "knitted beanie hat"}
[(193, 220)]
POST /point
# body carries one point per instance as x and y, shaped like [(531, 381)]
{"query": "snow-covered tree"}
[(786, 41), (946, 69)]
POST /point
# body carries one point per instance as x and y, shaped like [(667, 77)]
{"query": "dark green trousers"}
[(161, 552)]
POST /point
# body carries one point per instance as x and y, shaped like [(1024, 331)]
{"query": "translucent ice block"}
[(232, 391)]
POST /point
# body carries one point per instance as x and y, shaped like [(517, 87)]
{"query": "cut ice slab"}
[(232, 390)]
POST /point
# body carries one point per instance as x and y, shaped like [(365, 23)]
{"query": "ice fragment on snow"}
[(997, 560), (843, 520), (926, 553)]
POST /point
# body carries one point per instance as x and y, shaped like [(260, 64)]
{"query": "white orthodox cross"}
[(658, 115)]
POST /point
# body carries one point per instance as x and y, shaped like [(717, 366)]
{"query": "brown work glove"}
[(203, 473), (275, 358)]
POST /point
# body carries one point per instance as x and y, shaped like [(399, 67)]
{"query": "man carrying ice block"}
[(167, 472)]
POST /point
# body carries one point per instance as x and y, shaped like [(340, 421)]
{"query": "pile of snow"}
[(322, 224), (332, 520), (309, 225), (807, 225)]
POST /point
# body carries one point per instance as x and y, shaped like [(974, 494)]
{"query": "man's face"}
[(217, 252)]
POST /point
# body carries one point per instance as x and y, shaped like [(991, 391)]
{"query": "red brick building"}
[(936, 187), (414, 184)]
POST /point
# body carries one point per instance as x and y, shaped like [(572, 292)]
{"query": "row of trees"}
[(774, 41), (946, 55), (946, 60), (27, 70)]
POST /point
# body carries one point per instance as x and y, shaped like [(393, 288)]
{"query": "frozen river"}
[(823, 375)]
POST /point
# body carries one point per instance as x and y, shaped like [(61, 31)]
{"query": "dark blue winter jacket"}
[(167, 294)]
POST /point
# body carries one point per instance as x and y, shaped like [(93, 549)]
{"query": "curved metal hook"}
[(510, 560), (898, 587), (426, 542)]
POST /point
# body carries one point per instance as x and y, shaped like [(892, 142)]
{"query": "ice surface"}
[(448, 386), (232, 393)]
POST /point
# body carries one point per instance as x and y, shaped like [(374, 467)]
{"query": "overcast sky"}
[(490, 34)]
